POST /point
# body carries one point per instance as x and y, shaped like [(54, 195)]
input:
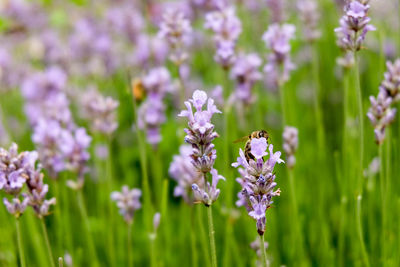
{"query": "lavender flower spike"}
[(200, 135), (128, 201), (277, 39), (290, 144), (176, 29), (354, 25), (258, 180), (391, 83), (309, 16), (381, 114)]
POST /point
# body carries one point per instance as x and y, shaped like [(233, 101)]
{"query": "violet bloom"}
[(227, 28), (381, 114), (277, 39), (391, 83), (175, 29), (258, 180), (126, 21), (16, 207), (184, 173), (149, 51), (100, 110), (354, 25), (151, 113), (44, 96), (200, 134), (11, 74), (276, 10), (128, 201), (309, 16), (290, 144), (14, 168), (245, 72)]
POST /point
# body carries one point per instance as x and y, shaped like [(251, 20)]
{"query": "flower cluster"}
[(290, 144), (258, 180), (184, 173), (128, 201), (275, 10), (245, 72), (279, 65), (176, 29), (227, 28), (381, 114), (354, 25), (391, 83), (100, 110), (16, 170), (151, 113), (200, 135), (309, 16)]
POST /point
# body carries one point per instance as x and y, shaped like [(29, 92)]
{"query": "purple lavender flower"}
[(391, 83), (245, 72), (16, 207), (279, 65), (258, 180), (276, 10), (227, 28), (176, 29), (16, 170), (354, 25), (381, 114), (309, 16), (200, 135), (100, 110), (290, 144), (126, 21), (150, 50), (128, 201), (151, 113), (183, 171)]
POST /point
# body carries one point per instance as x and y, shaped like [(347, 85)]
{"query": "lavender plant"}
[(200, 134)]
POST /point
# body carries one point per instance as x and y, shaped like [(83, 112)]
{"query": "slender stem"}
[(383, 202), (203, 234), (297, 228), (193, 239), (182, 85), (129, 245), (281, 90), (60, 262), (20, 247), (110, 185), (263, 251), (84, 215), (361, 120), (46, 238), (360, 232), (211, 236)]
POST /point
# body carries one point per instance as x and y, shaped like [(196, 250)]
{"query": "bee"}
[(247, 148), (137, 89)]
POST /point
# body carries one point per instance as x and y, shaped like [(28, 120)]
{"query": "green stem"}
[(60, 262), (360, 232), (361, 121), (263, 251), (129, 245), (110, 185), (281, 90), (182, 86), (383, 202), (46, 238), (211, 236), (20, 246), (297, 227), (202, 233), (193, 239), (84, 215)]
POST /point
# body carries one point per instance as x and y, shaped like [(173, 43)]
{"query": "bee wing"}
[(242, 139)]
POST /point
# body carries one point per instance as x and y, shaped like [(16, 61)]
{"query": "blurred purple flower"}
[(100, 110), (227, 28), (175, 29), (290, 144), (245, 72), (391, 82), (184, 173), (276, 10), (128, 201), (16, 207), (309, 16), (277, 39), (381, 114)]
